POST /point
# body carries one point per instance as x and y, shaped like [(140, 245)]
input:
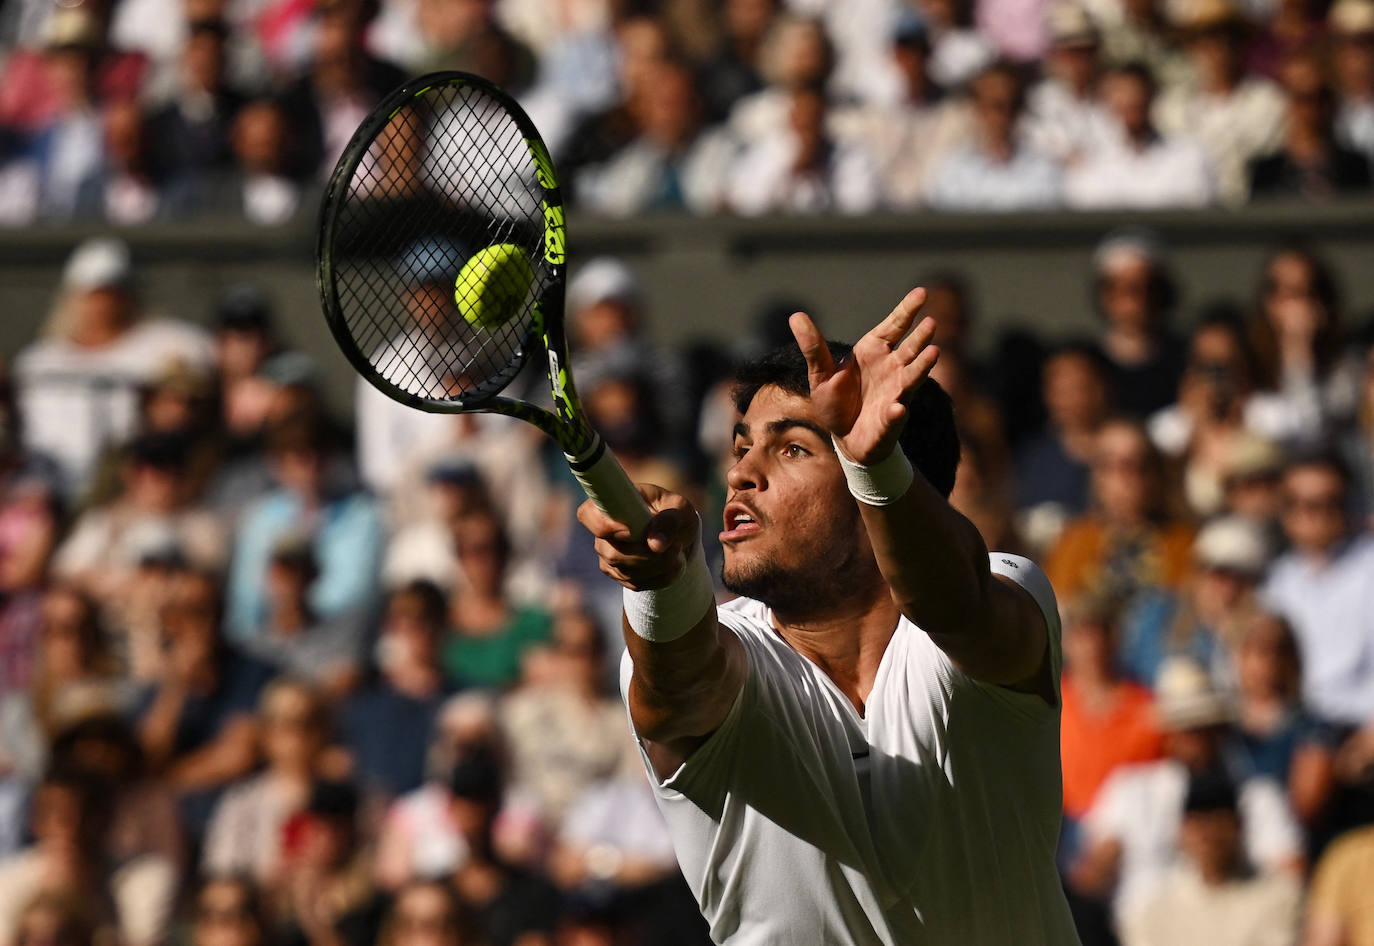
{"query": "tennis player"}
[(863, 747)]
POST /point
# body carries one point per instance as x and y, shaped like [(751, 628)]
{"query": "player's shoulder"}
[(1030, 576)]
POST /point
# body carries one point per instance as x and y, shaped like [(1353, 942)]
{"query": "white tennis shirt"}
[(931, 819)]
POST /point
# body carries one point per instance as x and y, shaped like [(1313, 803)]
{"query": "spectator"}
[(1352, 34), (196, 723), (1107, 721), (797, 54), (735, 69), (51, 918), (190, 131), (909, 137), (293, 638), (1128, 541), (388, 724), (77, 388), (427, 913), (998, 171), (564, 730), (66, 860), (671, 164), (1290, 27), (959, 53), (1250, 484), (1053, 469), (260, 187), (1198, 619), (1339, 910), (1132, 165), (129, 187), (1277, 738), (613, 836), (1320, 585), (468, 36), (804, 170), (1135, 295), (1064, 118), (1214, 896), (1299, 346), (342, 526), (246, 832), (1309, 163), (490, 633), (228, 911), (509, 904), (1234, 117), (1139, 31), (1132, 832)]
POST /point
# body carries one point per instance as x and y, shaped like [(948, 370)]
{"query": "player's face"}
[(793, 537)]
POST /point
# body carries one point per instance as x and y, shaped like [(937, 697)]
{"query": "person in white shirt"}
[(863, 748), (1064, 117), (1131, 833), (998, 171), (78, 387), (1134, 165)]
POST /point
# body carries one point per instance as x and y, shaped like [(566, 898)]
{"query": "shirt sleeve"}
[(1032, 577), (1272, 836)]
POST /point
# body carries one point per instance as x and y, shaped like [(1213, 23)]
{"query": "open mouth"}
[(740, 523)]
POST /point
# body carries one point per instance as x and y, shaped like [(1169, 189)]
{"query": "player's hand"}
[(862, 402), (654, 560)]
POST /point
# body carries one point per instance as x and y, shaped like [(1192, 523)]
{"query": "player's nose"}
[(744, 474)]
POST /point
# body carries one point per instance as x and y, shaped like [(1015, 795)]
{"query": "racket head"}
[(446, 167)]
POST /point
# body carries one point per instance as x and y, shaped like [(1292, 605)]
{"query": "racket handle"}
[(607, 485)]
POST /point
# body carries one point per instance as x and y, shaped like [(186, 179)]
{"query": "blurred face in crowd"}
[(1126, 293), (62, 818), (204, 60), (44, 923), (1216, 54), (1124, 473), (154, 487), (1310, 103), (746, 21), (126, 136), (299, 469), (171, 408), (410, 630), (1354, 65), (1075, 64), (69, 635), (668, 108), (1075, 392), (1314, 509), (1290, 300), (1211, 840), (288, 582), (190, 627), (99, 315), (1197, 748), (448, 23), (997, 106), (241, 351), (224, 916), (644, 45), (605, 322), (1267, 658), (259, 138), (326, 842), (1254, 495), (70, 73), (1216, 366), (1090, 642), (912, 58), (1129, 97), (423, 914), (431, 306), (948, 305), (481, 551), (579, 649), (799, 55), (1218, 592), (293, 728), (807, 122)]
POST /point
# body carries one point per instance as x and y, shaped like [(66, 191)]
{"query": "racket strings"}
[(448, 181)]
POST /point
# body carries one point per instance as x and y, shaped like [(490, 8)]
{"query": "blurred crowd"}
[(130, 111), (270, 678)]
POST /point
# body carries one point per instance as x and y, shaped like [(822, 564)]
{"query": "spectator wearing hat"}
[(342, 525), (1140, 31), (1351, 24), (1340, 911), (1132, 164), (1309, 162), (1213, 895), (959, 50), (1234, 117), (388, 723), (1065, 119), (1134, 294), (1132, 833), (998, 171), (1321, 587), (1249, 472), (1276, 737), (1108, 720), (77, 388), (325, 652)]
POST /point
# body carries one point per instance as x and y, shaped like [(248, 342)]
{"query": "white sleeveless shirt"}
[(932, 819)]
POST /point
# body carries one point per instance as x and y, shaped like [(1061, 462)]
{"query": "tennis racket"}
[(441, 266)]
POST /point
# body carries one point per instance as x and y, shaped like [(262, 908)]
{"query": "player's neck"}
[(848, 646)]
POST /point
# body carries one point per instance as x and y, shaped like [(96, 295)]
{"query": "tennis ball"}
[(491, 287)]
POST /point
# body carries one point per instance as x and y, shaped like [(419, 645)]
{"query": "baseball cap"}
[(1232, 544), (432, 260), (243, 306), (1197, 16), (1127, 245), (1186, 698), (1071, 27), (98, 263), (910, 29), (454, 471), (603, 280)]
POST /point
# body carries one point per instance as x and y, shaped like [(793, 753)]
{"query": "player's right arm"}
[(688, 667)]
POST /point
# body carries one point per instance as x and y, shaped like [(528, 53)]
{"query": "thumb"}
[(663, 529)]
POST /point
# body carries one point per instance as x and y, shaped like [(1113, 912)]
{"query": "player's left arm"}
[(932, 557)]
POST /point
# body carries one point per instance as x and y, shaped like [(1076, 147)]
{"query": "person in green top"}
[(489, 633)]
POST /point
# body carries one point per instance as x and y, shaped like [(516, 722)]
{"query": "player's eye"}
[(795, 451)]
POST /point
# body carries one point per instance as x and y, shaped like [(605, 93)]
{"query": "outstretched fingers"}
[(898, 322), (819, 364)]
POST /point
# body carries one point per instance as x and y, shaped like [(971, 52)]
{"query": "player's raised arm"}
[(688, 669), (933, 559)]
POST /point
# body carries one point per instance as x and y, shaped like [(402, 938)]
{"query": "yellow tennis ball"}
[(491, 287)]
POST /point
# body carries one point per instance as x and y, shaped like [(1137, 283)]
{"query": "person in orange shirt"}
[(1107, 720)]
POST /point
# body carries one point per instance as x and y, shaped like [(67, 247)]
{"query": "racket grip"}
[(607, 485)]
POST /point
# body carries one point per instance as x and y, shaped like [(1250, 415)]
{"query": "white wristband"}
[(665, 614), (880, 484)]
